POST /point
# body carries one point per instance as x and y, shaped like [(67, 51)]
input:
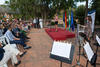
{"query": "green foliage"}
[(52, 23), (96, 6), (40, 8), (80, 13), (6, 2), (43, 8), (80, 0)]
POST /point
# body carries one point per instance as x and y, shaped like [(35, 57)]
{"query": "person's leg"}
[(18, 42), (19, 52), (23, 36), (56, 27), (36, 25), (21, 43)]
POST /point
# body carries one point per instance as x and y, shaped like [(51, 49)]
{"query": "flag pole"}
[(69, 20)]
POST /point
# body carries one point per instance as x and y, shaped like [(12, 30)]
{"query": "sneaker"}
[(27, 37), (26, 40), (17, 63), (27, 47), (23, 54)]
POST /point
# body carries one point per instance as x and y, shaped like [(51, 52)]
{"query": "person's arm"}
[(16, 38), (82, 26), (0, 45)]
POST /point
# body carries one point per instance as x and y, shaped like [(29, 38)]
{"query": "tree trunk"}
[(45, 17), (86, 10)]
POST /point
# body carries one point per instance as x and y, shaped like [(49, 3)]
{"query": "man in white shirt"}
[(34, 22), (41, 23), (14, 40)]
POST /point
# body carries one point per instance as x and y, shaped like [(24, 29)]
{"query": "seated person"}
[(14, 40), (1, 30), (8, 52), (16, 32)]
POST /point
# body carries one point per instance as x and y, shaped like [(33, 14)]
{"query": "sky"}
[(3, 1), (83, 3), (80, 3)]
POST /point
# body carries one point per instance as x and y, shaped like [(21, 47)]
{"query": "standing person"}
[(34, 22), (88, 28), (41, 22), (38, 22), (56, 22)]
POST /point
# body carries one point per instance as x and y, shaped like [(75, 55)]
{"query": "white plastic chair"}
[(5, 41), (5, 65), (2, 40)]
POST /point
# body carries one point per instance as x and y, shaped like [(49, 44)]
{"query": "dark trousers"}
[(34, 25), (18, 42), (37, 25)]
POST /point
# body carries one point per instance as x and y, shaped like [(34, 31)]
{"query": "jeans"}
[(21, 42)]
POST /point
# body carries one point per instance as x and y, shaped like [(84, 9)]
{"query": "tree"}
[(44, 8), (86, 8), (80, 13), (96, 6)]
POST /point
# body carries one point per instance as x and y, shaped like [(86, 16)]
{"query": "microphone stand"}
[(78, 61)]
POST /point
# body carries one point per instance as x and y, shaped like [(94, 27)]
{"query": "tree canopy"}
[(96, 6), (41, 8)]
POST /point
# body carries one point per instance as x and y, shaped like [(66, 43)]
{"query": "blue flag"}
[(64, 17), (72, 23)]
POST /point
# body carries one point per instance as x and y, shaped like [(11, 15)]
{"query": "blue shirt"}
[(9, 35)]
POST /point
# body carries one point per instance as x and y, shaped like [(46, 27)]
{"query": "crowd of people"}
[(16, 32)]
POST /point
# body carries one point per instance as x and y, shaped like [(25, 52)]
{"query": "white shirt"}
[(34, 21), (9, 35)]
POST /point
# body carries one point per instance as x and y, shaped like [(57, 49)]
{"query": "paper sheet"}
[(98, 39), (61, 49), (88, 51)]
